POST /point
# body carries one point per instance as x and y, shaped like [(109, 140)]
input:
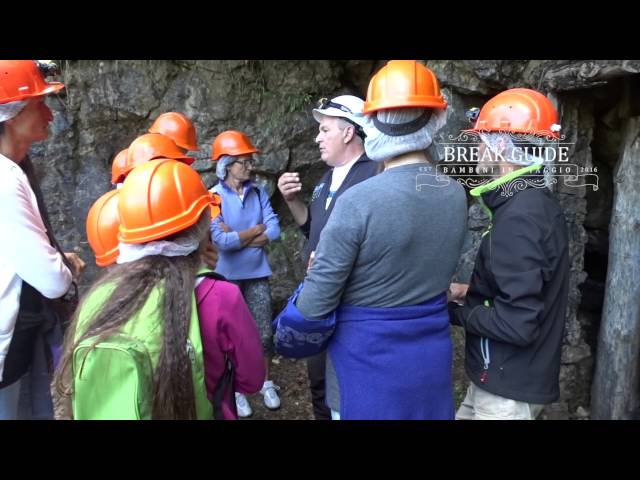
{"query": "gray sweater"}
[(392, 240)]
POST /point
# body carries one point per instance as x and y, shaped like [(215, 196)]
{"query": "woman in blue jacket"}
[(246, 224)]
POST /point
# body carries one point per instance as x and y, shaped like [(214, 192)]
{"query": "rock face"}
[(107, 104), (616, 383)]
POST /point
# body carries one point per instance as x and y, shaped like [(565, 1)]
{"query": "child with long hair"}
[(147, 301)]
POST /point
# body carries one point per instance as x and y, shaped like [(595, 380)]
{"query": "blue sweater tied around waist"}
[(391, 363)]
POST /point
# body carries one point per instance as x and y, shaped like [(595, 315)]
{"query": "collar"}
[(347, 165), (6, 162), (363, 158), (246, 187), (488, 193)]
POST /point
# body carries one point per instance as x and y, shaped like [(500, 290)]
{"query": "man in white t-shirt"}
[(341, 142)]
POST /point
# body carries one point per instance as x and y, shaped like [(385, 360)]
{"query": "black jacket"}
[(318, 216), (522, 273), (30, 320)]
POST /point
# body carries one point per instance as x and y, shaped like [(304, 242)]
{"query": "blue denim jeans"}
[(35, 396)]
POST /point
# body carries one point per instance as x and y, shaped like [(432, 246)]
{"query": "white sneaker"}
[(271, 399), (242, 405)]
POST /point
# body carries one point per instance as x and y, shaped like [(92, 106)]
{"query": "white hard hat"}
[(345, 106)]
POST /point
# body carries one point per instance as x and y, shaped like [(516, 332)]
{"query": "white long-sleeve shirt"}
[(25, 251)]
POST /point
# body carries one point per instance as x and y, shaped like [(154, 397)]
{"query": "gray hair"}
[(221, 167), (343, 123), (11, 109)]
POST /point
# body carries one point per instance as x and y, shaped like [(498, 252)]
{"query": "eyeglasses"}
[(244, 163), (325, 103)]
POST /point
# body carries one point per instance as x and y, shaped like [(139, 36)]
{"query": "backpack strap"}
[(226, 383), (210, 274)]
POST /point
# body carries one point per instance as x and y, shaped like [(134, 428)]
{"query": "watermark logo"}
[(474, 159)]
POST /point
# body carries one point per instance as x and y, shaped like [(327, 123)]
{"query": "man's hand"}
[(457, 293), (289, 185), (210, 255), (225, 228), (77, 264)]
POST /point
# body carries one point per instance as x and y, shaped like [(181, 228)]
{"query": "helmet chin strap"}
[(402, 129)]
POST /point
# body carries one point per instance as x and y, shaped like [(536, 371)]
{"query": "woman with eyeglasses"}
[(247, 223)]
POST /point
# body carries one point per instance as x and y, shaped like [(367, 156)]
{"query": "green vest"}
[(114, 379)]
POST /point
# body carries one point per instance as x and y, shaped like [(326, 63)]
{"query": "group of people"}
[(377, 296), (180, 324)]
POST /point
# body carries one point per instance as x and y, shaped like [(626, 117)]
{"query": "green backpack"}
[(113, 380)]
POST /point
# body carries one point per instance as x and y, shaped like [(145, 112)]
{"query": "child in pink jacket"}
[(233, 356)]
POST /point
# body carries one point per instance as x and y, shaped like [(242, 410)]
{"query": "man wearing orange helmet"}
[(246, 225), (102, 225), (119, 168), (33, 267), (178, 128), (375, 294), (149, 147), (341, 142), (513, 310), (137, 348)]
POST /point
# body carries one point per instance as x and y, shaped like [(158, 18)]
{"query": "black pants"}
[(315, 368)]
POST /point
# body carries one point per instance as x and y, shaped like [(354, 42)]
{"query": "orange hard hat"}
[(119, 167), (232, 143), (160, 198), (403, 83), (216, 206), (102, 228), (151, 146), (22, 79), (178, 128), (519, 110)]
